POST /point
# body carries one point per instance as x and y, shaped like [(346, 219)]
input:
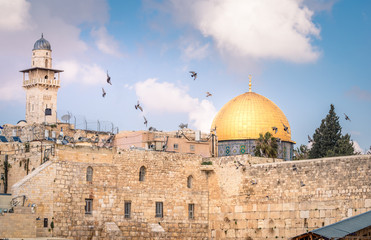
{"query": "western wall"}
[(236, 197)]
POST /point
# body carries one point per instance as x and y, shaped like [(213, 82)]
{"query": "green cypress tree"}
[(328, 140)]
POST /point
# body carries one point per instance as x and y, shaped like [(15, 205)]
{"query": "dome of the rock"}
[(249, 114), (239, 123)]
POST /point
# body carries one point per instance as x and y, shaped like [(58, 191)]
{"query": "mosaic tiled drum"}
[(240, 121)]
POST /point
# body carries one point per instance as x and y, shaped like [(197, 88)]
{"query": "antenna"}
[(66, 117)]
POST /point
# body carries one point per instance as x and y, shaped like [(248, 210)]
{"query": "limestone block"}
[(304, 214), (367, 203)]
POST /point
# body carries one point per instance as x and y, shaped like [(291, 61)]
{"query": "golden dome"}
[(249, 114)]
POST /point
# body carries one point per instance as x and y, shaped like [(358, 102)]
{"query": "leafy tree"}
[(328, 140), (6, 165), (266, 146), (301, 152)]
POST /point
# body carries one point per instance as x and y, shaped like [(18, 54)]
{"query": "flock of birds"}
[(208, 94), (285, 128), (138, 106)]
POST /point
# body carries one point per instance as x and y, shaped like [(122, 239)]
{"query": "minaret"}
[(41, 83)]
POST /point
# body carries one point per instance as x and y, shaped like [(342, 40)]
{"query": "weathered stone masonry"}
[(238, 197)]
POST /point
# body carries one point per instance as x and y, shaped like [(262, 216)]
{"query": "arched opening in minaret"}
[(46, 76)]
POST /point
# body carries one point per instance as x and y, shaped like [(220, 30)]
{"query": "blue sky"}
[(303, 55)]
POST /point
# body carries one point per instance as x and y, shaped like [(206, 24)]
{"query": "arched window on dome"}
[(189, 181), (142, 173), (89, 174)]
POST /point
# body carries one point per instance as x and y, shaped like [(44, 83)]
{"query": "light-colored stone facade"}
[(236, 197), (41, 83), (181, 141)]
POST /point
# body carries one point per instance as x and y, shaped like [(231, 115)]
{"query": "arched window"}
[(189, 181), (46, 77), (142, 173), (46, 63), (89, 174)]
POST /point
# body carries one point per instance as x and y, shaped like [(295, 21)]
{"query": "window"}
[(175, 146), (89, 174), (191, 211), (46, 63), (159, 209), (46, 53), (88, 206), (45, 222), (127, 209), (189, 181), (192, 147), (142, 173)]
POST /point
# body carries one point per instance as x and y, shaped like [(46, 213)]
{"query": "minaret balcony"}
[(41, 81)]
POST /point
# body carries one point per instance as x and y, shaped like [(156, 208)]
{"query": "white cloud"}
[(357, 148), (105, 42), (165, 97), (82, 73), (14, 15), (12, 91), (21, 24), (320, 5), (360, 94), (127, 86), (261, 29), (194, 50)]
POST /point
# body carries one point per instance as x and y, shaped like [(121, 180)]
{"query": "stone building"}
[(102, 193), (41, 83), (181, 141)]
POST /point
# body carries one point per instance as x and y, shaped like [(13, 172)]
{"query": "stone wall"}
[(20, 224), (116, 180), (23, 160), (285, 199), (237, 197), (39, 187)]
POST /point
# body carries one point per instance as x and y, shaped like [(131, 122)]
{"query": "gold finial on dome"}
[(250, 83)]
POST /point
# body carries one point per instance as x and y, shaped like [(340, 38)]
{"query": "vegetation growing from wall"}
[(328, 140), (6, 165), (266, 146)]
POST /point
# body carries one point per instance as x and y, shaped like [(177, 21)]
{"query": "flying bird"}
[(208, 94), (193, 74), (152, 129), (346, 117), (138, 106), (108, 79), (183, 125), (310, 139), (103, 92), (285, 128), (275, 129), (145, 121)]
